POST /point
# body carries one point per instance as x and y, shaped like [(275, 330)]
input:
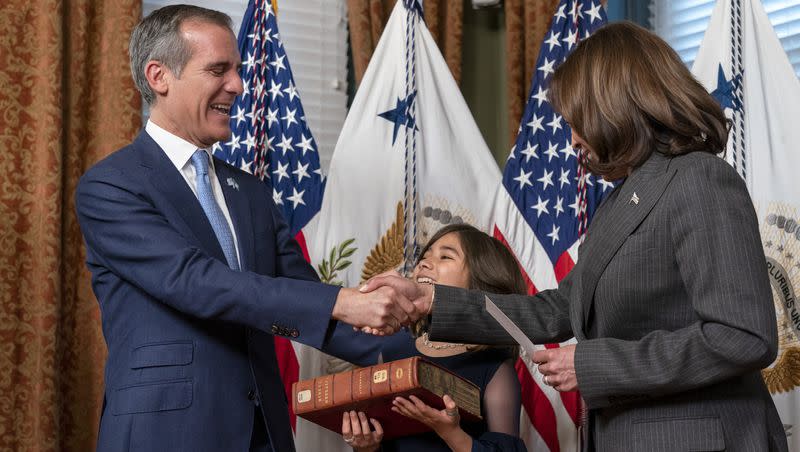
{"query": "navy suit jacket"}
[(190, 341)]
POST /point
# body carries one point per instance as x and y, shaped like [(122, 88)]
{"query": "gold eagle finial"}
[(388, 253)]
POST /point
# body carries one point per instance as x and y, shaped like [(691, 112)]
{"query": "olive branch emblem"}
[(329, 268)]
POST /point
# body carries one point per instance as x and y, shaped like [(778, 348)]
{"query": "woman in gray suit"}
[(669, 300)]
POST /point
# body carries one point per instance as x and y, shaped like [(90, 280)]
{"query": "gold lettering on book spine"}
[(323, 392), (304, 396), (362, 384), (380, 376)]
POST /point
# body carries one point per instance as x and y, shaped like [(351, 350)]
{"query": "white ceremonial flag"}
[(742, 63), (409, 160)]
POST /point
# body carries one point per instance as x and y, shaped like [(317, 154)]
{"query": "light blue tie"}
[(211, 208)]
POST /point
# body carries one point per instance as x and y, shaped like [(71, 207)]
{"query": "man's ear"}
[(158, 76)]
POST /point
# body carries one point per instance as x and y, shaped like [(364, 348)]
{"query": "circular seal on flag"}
[(434, 213), (781, 237), (437, 212)]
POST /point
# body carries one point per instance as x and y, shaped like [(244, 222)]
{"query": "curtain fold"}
[(66, 100), (527, 21), (366, 18)]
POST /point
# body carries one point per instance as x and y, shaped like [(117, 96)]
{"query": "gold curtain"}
[(66, 100), (527, 21), (444, 19)]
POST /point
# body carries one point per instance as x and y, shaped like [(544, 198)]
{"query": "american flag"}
[(270, 139), (544, 208)]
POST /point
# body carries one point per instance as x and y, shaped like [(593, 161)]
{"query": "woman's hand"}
[(439, 420), (402, 285), (356, 432), (558, 367)]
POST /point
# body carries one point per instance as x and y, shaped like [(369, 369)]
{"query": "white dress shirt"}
[(179, 152)]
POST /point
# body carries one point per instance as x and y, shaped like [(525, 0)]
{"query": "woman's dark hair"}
[(492, 268), (627, 94)]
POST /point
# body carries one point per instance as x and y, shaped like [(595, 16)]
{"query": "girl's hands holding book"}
[(356, 432), (438, 420)]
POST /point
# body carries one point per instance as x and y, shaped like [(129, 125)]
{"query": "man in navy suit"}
[(195, 277)]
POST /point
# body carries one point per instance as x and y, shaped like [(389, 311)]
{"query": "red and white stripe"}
[(549, 419)]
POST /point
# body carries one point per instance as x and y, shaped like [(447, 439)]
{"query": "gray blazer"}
[(672, 310)]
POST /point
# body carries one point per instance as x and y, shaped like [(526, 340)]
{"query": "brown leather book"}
[(322, 400)]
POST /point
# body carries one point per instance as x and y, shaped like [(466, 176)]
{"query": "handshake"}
[(383, 304)]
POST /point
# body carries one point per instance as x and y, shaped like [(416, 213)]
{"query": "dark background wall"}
[(483, 76)]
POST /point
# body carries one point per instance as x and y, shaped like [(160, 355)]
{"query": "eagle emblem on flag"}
[(781, 236)]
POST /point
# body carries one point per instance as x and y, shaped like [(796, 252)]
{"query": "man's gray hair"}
[(158, 37)]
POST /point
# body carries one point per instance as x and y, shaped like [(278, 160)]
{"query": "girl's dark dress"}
[(478, 367)]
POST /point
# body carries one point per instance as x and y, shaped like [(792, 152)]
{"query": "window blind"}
[(314, 33), (682, 23)]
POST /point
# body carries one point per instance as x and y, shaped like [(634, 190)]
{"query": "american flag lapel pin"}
[(634, 199), (232, 183)]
